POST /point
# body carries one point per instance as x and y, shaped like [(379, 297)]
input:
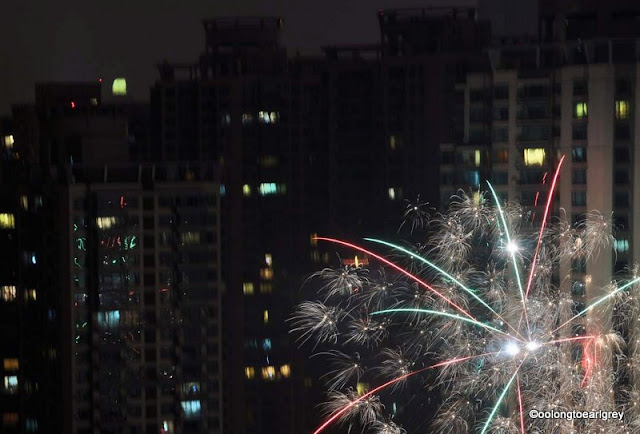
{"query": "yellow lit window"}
[(266, 288), (392, 142), (477, 159), (308, 382), (285, 371), (246, 190), (11, 364), (312, 239), (119, 86), (190, 238), (268, 259), (534, 156), (8, 292), (7, 221), (105, 222), (622, 109), (8, 141), (24, 202), (250, 372), (265, 316), (266, 273), (94, 101), (30, 295), (247, 288), (269, 373), (581, 110), (392, 193)]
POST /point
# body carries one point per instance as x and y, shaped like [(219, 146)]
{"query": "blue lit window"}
[(191, 409), (223, 190), (109, 319), (266, 344), (622, 245), (31, 425), (472, 178)]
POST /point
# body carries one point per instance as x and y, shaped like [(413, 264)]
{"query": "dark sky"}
[(44, 40)]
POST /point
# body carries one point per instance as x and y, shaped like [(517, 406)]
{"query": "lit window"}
[(392, 142), (250, 372), (119, 86), (579, 155), (167, 427), (24, 202), (11, 364), (246, 190), (308, 382), (30, 295), (265, 316), (266, 344), (10, 419), (477, 159), (266, 288), (226, 119), (501, 156), (190, 238), (109, 319), (534, 156), (247, 288), (581, 110), (269, 188), (223, 190), (622, 110), (622, 246), (266, 273), (105, 222), (94, 101), (247, 118), (11, 384), (285, 371), (268, 259), (268, 161), (312, 239), (362, 388), (191, 409), (32, 425), (392, 193), (7, 221), (8, 292), (190, 388), (8, 141), (269, 373)]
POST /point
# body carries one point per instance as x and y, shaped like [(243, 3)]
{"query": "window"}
[(8, 141), (579, 155), (191, 409), (622, 245), (622, 131), (579, 131), (7, 221), (621, 199), (8, 292), (501, 156), (501, 134), (265, 316), (501, 113), (500, 178), (580, 110), (579, 198), (392, 193), (534, 132), (285, 371), (622, 110), (621, 177), (501, 91), (30, 295), (580, 87), (11, 364), (11, 384), (10, 419), (269, 373), (119, 86), (109, 319), (246, 190), (247, 288), (447, 157), (250, 372), (579, 176), (534, 156), (472, 178), (621, 155)]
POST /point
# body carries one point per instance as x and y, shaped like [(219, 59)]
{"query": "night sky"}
[(42, 40)]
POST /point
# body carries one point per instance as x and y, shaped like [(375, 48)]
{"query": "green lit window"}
[(119, 87), (622, 110), (581, 110)]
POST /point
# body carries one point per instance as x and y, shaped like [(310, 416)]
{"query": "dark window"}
[(448, 157), (621, 177), (580, 88), (579, 176), (621, 199), (501, 92), (622, 132), (623, 86), (621, 155), (579, 198), (147, 203), (500, 178), (148, 222), (579, 131), (500, 135)]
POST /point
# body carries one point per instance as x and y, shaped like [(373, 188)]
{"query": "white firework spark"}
[(489, 316)]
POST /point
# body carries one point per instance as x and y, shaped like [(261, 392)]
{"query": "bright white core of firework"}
[(531, 346), (512, 247), (512, 349)]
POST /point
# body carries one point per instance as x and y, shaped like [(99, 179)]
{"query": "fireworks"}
[(489, 310)]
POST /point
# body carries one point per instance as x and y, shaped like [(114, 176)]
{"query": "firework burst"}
[(492, 313)]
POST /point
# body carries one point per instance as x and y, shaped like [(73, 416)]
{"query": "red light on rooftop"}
[(73, 104), (100, 80)]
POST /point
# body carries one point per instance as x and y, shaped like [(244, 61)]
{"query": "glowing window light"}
[(312, 239), (10, 419), (362, 388), (622, 245), (265, 316), (8, 141), (267, 188), (11, 364), (250, 372), (119, 87), (477, 159), (105, 222), (285, 371), (269, 373), (109, 319), (24, 202), (247, 118), (8, 292), (622, 110), (190, 388), (191, 408), (188, 238), (7, 221), (223, 190), (274, 117), (534, 156), (94, 101), (266, 344), (167, 427), (581, 110), (392, 193), (392, 142), (266, 288), (11, 383), (30, 295), (266, 273), (246, 190), (268, 259), (247, 288)]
